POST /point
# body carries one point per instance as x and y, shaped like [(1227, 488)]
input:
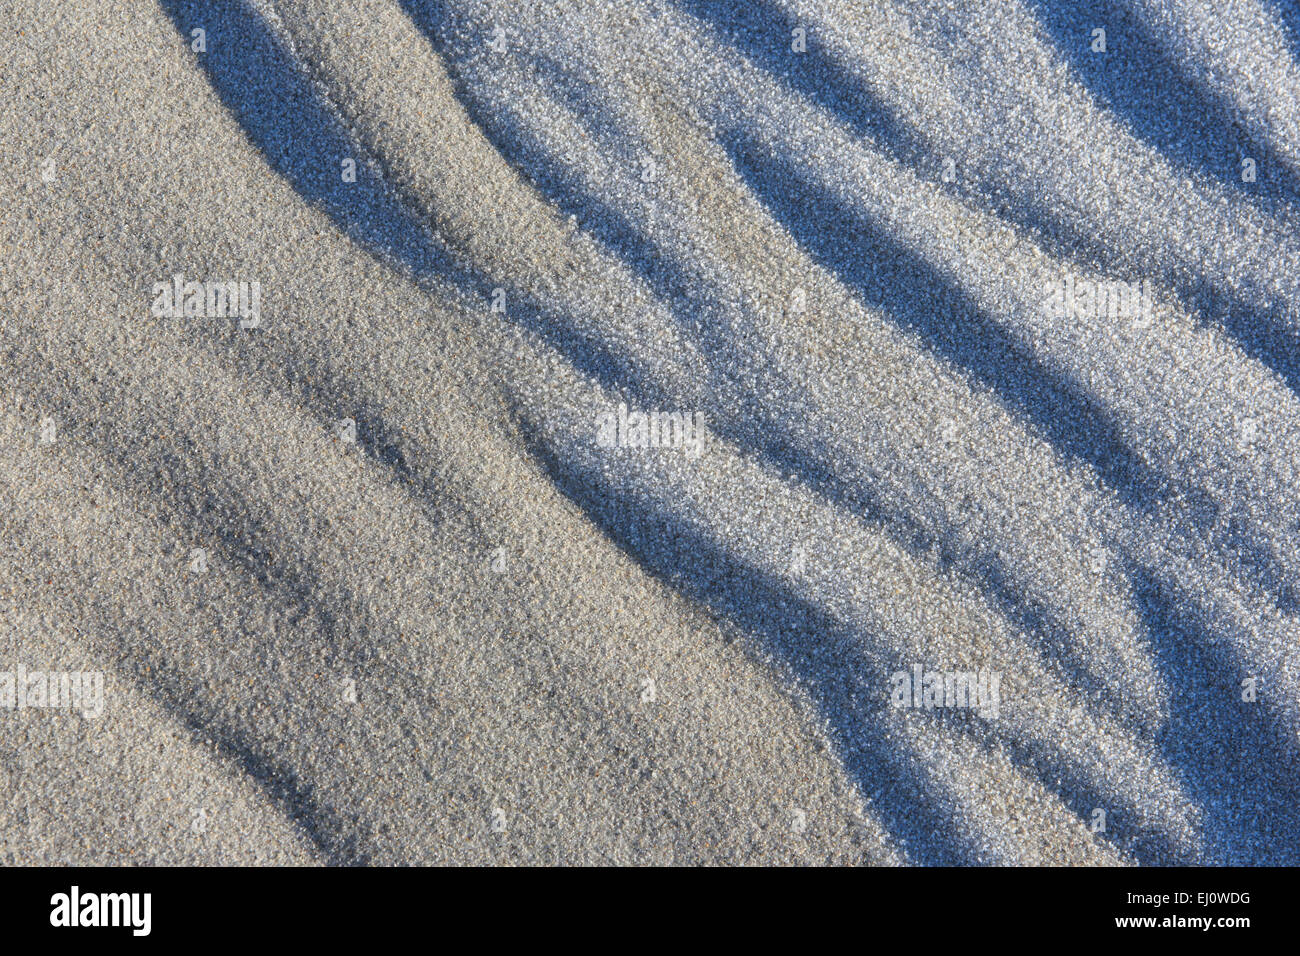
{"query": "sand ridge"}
[(437, 620)]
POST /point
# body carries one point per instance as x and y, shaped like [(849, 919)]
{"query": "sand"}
[(365, 584)]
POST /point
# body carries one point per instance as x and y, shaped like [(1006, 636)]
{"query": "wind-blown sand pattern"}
[(459, 628)]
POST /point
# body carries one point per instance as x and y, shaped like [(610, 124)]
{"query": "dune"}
[(318, 319)]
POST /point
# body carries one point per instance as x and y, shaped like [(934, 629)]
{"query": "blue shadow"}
[(1234, 763)]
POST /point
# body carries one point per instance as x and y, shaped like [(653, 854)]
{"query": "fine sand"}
[(371, 582)]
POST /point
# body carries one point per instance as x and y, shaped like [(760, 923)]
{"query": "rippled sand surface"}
[(379, 571)]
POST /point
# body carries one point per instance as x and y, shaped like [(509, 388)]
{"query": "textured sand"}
[(908, 459)]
